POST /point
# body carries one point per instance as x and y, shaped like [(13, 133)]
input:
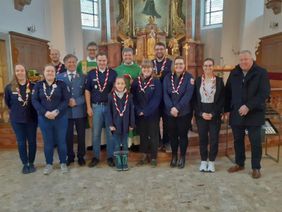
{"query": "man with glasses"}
[(162, 66), (84, 66)]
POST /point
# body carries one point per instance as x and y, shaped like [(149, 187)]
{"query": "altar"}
[(141, 24)]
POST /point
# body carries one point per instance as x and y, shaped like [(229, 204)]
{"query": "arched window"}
[(213, 12), (90, 13)]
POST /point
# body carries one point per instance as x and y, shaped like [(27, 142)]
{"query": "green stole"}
[(128, 70)]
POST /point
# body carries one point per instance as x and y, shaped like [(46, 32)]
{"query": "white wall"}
[(252, 25), (212, 39), (33, 14), (72, 28)]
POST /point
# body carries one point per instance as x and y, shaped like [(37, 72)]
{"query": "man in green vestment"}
[(84, 66), (128, 69)]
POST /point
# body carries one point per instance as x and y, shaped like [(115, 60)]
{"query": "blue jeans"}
[(120, 139), (26, 133), (100, 120), (54, 132)]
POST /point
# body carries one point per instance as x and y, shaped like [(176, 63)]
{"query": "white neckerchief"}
[(90, 60), (120, 94), (159, 60), (129, 64), (102, 71)]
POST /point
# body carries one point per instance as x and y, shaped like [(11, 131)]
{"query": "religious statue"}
[(150, 9), (177, 23), (127, 43), (151, 41), (173, 44)]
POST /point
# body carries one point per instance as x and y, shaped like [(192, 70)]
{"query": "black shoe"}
[(111, 162), (31, 168), (69, 162), (89, 148), (93, 162), (81, 161), (173, 161), (181, 162), (25, 169)]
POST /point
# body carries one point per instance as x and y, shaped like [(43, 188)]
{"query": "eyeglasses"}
[(92, 49)]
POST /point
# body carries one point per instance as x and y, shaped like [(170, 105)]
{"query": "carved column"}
[(114, 47), (103, 22), (188, 20), (198, 21)]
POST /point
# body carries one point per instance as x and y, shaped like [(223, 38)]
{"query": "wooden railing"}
[(4, 113)]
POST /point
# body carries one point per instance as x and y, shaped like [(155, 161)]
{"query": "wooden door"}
[(3, 80)]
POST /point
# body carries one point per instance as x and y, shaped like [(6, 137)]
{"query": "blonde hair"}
[(14, 82), (146, 63)]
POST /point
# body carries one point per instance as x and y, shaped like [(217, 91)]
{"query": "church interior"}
[(193, 29)]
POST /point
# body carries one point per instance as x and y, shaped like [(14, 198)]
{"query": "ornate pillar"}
[(114, 47), (188, 20), (198, 21), (103, 43), (103, 22)]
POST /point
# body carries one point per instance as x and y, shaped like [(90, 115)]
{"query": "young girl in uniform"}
[(122, 120)]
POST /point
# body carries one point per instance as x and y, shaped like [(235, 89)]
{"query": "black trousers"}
[(178, 133), (208, 134), (148, 130), (80, 124), (165, 139), (254, 133)]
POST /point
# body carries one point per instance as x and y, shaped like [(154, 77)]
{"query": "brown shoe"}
[(235, 168), (256, 174)]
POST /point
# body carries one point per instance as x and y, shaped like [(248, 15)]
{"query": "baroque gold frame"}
[(125, 25)]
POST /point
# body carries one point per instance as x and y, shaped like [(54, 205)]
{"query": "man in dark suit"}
[(247, 89)]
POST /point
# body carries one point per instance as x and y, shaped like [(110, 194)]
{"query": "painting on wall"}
[(167, 15), (143, 9)]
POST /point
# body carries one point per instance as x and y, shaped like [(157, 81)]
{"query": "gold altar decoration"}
[(143, 38)]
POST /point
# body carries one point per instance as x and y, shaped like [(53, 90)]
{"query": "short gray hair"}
[(246, 52), (127, 50), (68, 56)]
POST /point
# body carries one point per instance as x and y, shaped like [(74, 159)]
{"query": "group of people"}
[(131, 100)]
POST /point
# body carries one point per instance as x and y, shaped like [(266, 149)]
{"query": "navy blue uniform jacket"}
[(59, 99), (18, 113), (181, 101), (147, 102), (123, 123)]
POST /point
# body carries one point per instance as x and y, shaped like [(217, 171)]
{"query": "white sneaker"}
[(64, 168), (203, 166), (48, 169), (167, 148), (211, 167)]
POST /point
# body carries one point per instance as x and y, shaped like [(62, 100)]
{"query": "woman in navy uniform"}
[(122, 120), (99, 83), (147, 94), (50, 98), (178, 88), (23, 117), (208, 105), (76, 110)]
